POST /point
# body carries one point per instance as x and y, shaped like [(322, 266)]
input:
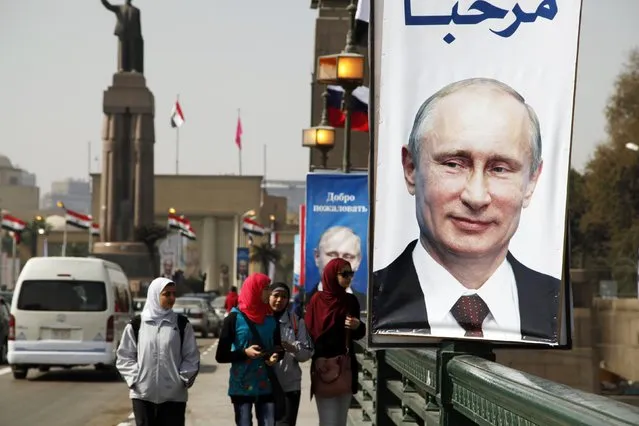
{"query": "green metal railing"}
[(461, 385)]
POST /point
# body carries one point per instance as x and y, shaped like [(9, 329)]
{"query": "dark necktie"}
[(470, 312)]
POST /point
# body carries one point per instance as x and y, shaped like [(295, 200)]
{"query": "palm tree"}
[(29, 236), (264, 254), (150, 235)]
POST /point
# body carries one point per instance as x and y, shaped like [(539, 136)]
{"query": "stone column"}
[(208, 256), (144, 171)]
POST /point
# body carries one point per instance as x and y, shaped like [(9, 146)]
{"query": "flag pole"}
[(239, 148), (61, 205), (14, 249), (90, 235), (177, 144)]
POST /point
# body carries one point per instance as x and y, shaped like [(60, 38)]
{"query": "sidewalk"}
[(210, 405)]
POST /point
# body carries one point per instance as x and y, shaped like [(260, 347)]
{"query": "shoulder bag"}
[(333, 376)]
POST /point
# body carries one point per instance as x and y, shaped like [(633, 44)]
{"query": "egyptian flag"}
[(362, 17), (189, 233), (359, 111), (177, 117), (12, 223), (176, 222), (79, 220), (95, 229), (251, 226)]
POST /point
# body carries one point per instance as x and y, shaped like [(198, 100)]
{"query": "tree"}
[(610, 223), (150, 235), (264, 254), (29, 236)]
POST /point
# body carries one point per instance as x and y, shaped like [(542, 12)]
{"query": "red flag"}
[(238, 133)]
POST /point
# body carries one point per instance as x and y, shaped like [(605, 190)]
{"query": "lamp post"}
[(41, 230), (345, 69), (321, 136)]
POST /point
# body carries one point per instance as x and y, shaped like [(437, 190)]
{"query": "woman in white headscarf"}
[(159, 359)]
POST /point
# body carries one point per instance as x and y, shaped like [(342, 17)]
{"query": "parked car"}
[(138, 304), (218, 306), (200, 314), (7, 296), (4, 330)]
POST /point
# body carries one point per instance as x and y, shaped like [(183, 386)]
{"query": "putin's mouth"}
[(470, 225)]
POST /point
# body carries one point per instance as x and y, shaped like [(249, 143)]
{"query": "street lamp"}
[(345, 69), (172, 210), (632, 146), (321, 136)]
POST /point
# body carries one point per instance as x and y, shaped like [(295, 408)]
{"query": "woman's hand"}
[(253, 351), (272, 360), (351, 322)]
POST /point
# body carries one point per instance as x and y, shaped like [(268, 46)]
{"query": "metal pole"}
[(350, 46), (177, 144), (90, 237), (14, 248), (264, 165), (177, 150), (64, 239), (346, 159)]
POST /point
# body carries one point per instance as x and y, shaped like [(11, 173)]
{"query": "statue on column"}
[(128, 29)]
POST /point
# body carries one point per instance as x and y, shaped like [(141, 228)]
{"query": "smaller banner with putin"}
[(471, 135), (337, 208)]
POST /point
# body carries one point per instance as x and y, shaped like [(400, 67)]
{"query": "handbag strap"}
[(269, 369), (251, 326)]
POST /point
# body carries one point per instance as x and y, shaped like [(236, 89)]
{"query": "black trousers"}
[(165, 414), (292, 407)]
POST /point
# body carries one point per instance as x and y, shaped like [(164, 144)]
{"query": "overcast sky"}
[(58, 57)]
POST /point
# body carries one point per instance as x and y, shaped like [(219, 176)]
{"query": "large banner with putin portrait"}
[(336, 226), (471, 136)]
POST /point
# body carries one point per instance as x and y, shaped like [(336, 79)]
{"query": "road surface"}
[(77, 397)]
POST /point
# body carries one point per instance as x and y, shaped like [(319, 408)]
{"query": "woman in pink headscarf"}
[(251, 355)]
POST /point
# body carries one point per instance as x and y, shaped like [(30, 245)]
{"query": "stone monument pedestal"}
[(133, 258), (127, 183)]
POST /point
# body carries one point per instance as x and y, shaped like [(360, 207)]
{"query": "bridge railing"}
[(461, 385)]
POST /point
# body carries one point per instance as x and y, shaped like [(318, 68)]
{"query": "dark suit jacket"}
[(128, 26), (398, 300)]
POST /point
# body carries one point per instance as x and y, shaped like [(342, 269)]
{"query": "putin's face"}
[(474, 173), (342, 243)]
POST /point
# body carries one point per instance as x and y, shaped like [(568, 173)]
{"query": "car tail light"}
[(12, 327), (110, 329)]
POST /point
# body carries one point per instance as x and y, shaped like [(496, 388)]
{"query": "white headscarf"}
[(153, 311)]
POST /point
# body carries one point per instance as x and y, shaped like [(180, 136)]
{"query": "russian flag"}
[(359, 110)]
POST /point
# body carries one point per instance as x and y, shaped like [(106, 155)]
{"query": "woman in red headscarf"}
[(329, 314), (249, 355)]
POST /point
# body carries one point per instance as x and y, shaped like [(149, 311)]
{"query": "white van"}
[(67, 312)]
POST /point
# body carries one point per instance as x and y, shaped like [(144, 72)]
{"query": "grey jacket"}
[(288, 369), (157, 369)]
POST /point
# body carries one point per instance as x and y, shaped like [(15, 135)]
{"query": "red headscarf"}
[(330, 304), (250, 298)]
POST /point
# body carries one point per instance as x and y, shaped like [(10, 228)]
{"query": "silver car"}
[(200, 314)]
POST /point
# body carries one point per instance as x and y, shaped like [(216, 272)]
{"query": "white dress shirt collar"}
[(442, 290)]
